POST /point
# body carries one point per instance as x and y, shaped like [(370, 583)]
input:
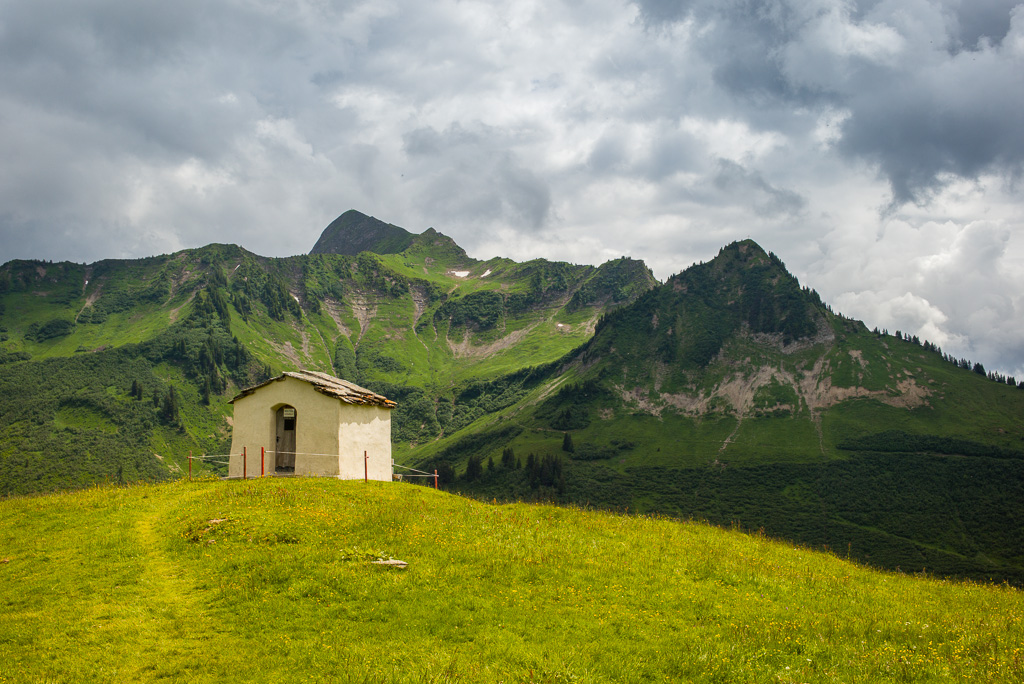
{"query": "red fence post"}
[(245, 465), (189, 465), (435, 478), (263, 453), (366, 467)]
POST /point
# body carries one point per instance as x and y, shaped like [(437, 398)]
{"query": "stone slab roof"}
[(343, 390)]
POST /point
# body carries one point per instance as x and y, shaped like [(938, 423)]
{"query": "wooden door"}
[(286, 421)]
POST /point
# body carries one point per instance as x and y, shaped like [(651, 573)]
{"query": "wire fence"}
[(219, 459), (414, 473), (206, 458), (422, 473)]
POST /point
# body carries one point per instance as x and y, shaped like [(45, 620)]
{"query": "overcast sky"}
[(876, 146)]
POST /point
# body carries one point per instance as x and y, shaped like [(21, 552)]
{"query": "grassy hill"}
[(271, 581)]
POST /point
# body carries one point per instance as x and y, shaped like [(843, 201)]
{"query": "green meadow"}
[(272, 580)]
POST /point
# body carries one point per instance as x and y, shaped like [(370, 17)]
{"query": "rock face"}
[(739, 337), (354, 232), (683, 326)]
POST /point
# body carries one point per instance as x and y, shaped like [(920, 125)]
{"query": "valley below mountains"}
[(729, 393)]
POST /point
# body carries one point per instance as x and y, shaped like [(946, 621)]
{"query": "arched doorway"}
[(284, 461)]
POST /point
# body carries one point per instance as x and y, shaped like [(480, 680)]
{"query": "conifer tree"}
[(169, 408), (474, 468), (445, 473)]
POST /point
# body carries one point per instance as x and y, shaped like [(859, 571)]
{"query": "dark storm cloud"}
[(107, 63), (930, 90), (959, 117), (468, 173), (131, 127), (738, 182), (741, 39), (671, 153), (981, 20)]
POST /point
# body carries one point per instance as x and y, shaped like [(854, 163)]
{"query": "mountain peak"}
[(439, 243), (746, 253), (736, 264), (688, 320), (354, 232)]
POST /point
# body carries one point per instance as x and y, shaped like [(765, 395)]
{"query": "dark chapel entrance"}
[(285, 456)]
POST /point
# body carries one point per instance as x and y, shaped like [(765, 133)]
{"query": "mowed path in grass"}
[(176, 627), (90, 592)]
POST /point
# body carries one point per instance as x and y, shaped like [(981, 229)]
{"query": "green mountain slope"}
[(273, 581), (732, 394), (734, 362), (114, 371)]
